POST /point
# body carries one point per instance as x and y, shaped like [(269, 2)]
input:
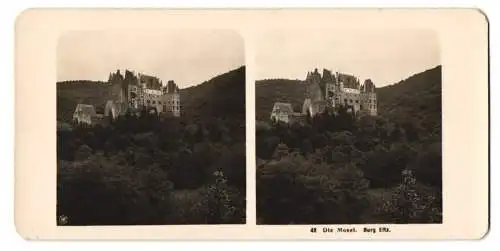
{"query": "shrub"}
[(296, 190), (84, 152), (96, 191), (383, 168), (265, 147), (413, 202), (220, 203)]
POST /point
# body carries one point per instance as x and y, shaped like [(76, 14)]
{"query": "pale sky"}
[(188, 57), (385, 56)]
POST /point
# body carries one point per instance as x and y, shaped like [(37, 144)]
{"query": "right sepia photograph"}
[(348, 127)]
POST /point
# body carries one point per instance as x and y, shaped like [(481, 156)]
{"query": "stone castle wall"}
[(339, 90), (134, 92)]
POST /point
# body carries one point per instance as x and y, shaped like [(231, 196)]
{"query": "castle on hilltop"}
[(329, 91), (132, 93), (339, 89)]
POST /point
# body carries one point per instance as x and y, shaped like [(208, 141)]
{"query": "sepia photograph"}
[(151, 127), (348, 127), (257, 124)]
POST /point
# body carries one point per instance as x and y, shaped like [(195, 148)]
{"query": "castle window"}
[(357, 101), (350, 100), (154, 102)]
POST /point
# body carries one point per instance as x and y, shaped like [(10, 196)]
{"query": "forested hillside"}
[(415, 100), (71, 93), (277, 90), (337, 169), (153, 169), (218, 97), (418, 95)]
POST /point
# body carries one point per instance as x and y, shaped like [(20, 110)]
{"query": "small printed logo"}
[(63, 220)]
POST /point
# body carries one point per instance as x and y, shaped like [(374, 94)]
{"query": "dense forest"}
[(338, 169), (149, 169), (218, 97), (415, 100)]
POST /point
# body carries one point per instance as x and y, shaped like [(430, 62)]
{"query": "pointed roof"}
[(350, 81), (328, 77), (151, 82), (368, 86), (85, 109), (286, 107), (171, 87)]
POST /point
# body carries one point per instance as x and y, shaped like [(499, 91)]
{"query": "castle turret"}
[(339, 89), (328, 77), (369, 98), (135, 92), (316, 76), (171, 98)]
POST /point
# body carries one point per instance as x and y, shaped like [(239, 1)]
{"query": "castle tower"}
[(171, 99), (330, 88), (118, 91), (369, 98)]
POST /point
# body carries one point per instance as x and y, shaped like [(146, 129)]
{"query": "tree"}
[(319, 141), (84, 152), (306, 147), (281, 151), (232, 162), (428, 166), (412, 202), (100, 191), (349, 194), (411, 131), (220, 203), (296, 190), (266, 146), (383, 167)]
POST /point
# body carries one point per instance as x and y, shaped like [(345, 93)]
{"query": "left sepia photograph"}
[(151, 127)]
